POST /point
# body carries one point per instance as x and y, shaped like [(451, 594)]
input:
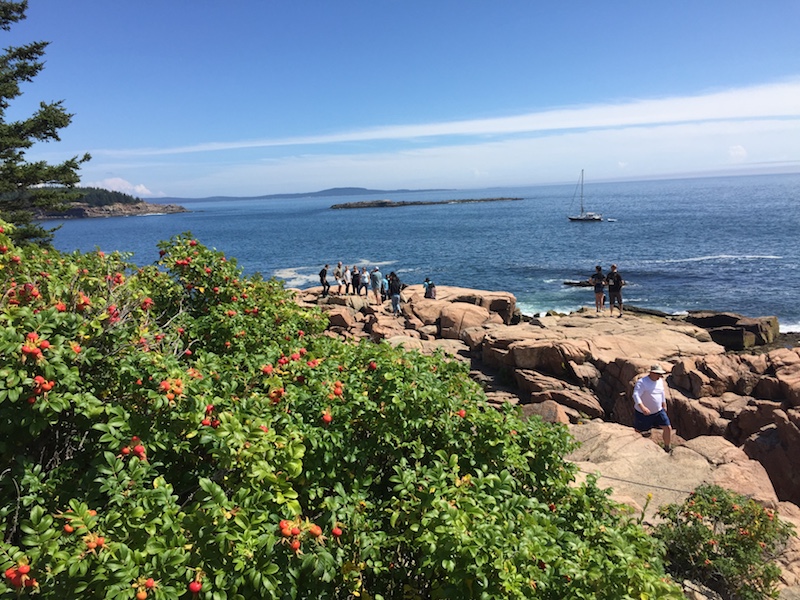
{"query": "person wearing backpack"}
[(430, 288), (323, 280), (598, 281), (384, 289), (394, 291)]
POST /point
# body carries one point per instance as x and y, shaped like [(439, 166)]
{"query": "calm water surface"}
[(715, 243)]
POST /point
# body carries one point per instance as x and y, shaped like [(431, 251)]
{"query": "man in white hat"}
[(650, 405)]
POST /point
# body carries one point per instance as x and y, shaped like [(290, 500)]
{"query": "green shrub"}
[(183, 431), (725, 541)]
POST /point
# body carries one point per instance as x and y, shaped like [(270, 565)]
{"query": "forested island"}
[(97, 202), (395, 203)]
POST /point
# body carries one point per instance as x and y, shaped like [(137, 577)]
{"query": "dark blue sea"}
[(725, 243)]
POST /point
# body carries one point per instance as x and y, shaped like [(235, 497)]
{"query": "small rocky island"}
[(95, 202), (396, 203), (82, 210)]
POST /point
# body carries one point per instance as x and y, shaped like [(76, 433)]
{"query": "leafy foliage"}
[(725, 541), (100, 197), (26, 187), (179, 430)]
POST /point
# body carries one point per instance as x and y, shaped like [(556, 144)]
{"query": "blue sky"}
[(200, 98)]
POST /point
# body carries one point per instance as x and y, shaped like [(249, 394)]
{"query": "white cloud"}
[(117, 184), (737, 154), (754, 128), (604, 153), (778, 100)]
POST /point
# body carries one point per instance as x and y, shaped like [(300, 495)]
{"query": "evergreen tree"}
[(28, 186)]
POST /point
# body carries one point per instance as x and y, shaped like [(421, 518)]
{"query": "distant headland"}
[(95, 202), (340, 191), (395, 203), (81, 210)]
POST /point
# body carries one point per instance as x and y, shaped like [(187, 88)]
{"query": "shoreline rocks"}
[(397, 203), (81, 210), (583, 365), (736, 413)]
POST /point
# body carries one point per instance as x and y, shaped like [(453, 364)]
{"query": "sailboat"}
[(585, 216)]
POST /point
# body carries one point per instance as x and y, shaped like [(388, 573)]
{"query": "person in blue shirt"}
[(375, 279), (430, 288)]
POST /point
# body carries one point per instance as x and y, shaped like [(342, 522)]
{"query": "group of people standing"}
[(384, 287), (614, 282)]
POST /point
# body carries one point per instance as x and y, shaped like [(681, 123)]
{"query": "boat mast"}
[(582, 211)]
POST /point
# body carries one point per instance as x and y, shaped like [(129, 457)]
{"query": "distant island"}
[(340, 191), (395, 203), (96, 202)]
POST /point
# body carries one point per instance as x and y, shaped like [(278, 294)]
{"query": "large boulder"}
[(786, 365), (341, 316), (635, 467), (501, 303), (777, 447), (550, 411), (549, 356), (459, 316), (734, 331), (426, 310)]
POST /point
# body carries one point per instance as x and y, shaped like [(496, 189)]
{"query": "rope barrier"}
[(651, 485)]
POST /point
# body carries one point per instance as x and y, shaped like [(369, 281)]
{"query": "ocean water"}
[(725, 243)]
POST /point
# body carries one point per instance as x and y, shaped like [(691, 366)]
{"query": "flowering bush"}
[(182, 431), (725, 541)]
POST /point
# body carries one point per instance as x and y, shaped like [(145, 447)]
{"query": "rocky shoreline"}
[(736, 410), (81, 210)]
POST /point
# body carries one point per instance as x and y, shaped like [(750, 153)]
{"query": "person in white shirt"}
[(650, 405), (337, 275), (348, 279)]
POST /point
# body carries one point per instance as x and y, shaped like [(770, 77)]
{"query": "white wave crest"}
[(294, 277), (790, 327), (720, 257)]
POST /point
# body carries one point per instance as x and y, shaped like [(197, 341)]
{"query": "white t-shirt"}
[(650, 394)]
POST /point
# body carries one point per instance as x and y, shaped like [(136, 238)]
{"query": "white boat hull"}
[(587, 217)]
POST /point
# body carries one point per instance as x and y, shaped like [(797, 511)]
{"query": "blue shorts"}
[(643, 422)]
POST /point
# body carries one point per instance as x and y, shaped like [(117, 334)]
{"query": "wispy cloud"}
[(770, 101), (117, 184)]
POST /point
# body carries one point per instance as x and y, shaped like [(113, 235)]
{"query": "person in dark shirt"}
[(394, 291), (356, 277), (598, 280), (323, 280), (615, 283)]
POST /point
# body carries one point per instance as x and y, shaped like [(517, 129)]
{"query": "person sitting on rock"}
[(650, 405)]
